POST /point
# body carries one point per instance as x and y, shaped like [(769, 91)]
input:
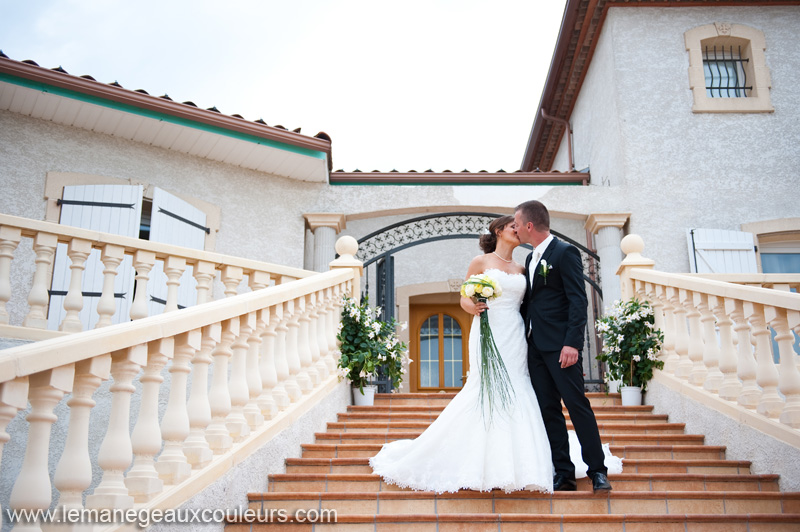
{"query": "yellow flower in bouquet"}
[(481, 286)]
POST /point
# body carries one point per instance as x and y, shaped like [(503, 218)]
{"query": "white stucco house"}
[(677, 122)]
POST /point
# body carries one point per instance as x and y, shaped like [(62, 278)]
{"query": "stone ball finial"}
[(346, 245), (632, 245)]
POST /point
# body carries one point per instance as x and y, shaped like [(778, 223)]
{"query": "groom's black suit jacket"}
[(556, 309)]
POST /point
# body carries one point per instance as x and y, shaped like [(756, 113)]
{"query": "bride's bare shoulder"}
[(477, 265)]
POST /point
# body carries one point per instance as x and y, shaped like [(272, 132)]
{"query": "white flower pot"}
[(365, 399), (631, 395), (613, 386)]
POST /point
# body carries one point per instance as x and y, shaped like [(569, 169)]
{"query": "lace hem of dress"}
[(455, 485)]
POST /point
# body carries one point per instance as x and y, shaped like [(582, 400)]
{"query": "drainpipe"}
[(569, 135)]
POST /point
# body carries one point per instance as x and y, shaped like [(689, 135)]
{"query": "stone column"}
[(607, 229), (325, 227)]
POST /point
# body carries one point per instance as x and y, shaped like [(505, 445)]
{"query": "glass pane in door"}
[(429, 353), (452, 353)]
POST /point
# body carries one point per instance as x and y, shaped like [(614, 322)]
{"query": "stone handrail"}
[(114, 248), (778, 281), (279, 343), (717, 335)]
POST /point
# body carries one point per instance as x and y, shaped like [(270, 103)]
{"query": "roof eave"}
[(147, 102)]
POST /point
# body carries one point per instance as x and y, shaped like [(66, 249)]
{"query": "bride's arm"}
[(476, 266)]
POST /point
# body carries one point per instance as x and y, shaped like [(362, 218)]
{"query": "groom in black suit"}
[(554, 310)]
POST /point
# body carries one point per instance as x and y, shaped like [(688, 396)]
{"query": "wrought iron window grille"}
[(725, 74)]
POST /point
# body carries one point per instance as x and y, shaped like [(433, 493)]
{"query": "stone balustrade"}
[(787, 282), (159, 461), (717, 334), (44, 238)]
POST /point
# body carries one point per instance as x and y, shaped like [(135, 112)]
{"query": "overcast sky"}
[(418, 84)]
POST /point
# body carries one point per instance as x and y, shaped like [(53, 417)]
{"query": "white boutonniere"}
[(544, 269)]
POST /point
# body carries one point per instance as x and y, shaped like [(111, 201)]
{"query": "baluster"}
[(750, 393), (142, 480), (729, 387), (788, 377), (770, 404), (659, 323), (231, 278), (318, 351), (32, 491), (235, 421), (78, 251), (692, 302), (74, 473), (143, 262), (711, 349), (219, 439), (334, 313), (280, 393), (266, 367), (116, 451), (204, 272), (174, 268), (107, 305), (9, 240), (684, 366), (13, 398), (671, 358), (196, 447), (304, 344), (293, 385), (172, 465), (252, 410), (44, 245)]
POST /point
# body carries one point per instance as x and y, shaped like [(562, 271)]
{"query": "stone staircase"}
[(671, 482)]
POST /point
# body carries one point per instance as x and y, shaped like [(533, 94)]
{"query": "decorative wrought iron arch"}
[(381, 244)]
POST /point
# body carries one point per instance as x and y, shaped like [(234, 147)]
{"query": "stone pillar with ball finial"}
[(347, 247), (632, 246)]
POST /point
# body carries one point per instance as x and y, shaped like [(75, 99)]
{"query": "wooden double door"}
[(439, 338)]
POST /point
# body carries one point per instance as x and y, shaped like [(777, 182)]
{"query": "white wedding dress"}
[(459, 450)]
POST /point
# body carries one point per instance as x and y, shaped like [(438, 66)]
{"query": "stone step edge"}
[(626, 461), (421, 424), (368, 477), (522, 494), (411, 435), (550, 518), (615, 448)]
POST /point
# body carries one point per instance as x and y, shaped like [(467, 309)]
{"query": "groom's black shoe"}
[(563, 483), (600, 482)]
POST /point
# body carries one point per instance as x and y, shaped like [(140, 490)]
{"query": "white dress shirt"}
[(538, 251)]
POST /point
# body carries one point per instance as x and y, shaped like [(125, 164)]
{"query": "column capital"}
[(597, 221), (325, 219)]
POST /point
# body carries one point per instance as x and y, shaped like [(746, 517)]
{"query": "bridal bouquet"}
[(495, 382)]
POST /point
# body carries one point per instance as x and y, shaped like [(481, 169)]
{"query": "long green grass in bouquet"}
[(496, 392)]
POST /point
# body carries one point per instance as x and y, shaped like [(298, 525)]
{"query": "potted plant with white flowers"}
[(367, 344), (631, 344)]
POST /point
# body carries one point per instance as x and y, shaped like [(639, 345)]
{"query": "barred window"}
[(725, 73)]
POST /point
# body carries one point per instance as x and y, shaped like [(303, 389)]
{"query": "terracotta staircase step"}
[(361, 466), (498, 522), (604, 427), (441, 399), (580, 502), (392, 415), (630, 439), (598, 409), (654, 452), (622, 482)]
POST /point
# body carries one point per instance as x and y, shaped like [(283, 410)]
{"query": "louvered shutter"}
[(112, 209), (721, 251), (176, 222)]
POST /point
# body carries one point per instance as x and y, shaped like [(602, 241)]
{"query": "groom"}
[(554, 310)]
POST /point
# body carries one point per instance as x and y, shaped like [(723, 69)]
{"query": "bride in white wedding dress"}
[(459, 450)]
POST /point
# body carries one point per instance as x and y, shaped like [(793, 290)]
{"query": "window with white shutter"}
[(721, 251)]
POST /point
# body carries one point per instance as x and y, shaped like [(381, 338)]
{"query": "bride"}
[(459, 450)]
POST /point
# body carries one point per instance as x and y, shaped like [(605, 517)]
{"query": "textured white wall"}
[(672, 169)]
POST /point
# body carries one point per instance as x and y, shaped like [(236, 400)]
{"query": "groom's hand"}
[(569, 355)]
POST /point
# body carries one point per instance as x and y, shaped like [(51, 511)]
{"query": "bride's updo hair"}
[(488, 242)]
